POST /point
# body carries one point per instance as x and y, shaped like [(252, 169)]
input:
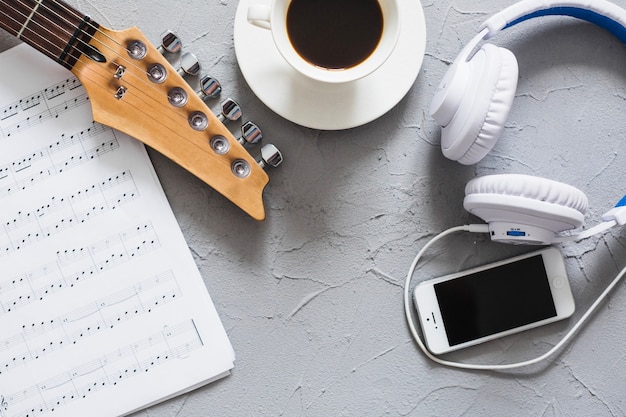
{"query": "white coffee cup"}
[(274, 17)]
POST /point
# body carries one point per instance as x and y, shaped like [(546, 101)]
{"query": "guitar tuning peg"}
[(270, 156), (209, 88), (250, 133), (170, 42), (230, 111), (189, 64)]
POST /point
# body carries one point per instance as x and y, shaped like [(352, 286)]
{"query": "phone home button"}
[(558, 282)]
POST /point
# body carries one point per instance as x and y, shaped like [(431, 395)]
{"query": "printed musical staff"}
[(73, 266), (61, 88), (9, 111), (175, 342), (36, 340), (31, 102), (67, 152), (60, 213), (41, 106), (39, 118)]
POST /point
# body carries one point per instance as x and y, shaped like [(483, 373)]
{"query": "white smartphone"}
[(480, 304)]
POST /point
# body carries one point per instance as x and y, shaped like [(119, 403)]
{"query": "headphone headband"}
[(471, 105), (600, 12)]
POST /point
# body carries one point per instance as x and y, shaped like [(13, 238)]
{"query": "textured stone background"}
[(312, 297)]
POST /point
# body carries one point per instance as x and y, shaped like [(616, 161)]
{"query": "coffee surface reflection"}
[(334, 34)]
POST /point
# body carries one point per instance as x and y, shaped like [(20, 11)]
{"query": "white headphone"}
[(471, 105)]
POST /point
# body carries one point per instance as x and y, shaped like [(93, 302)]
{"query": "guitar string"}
[(155, 116), (80, 16), (143, 83), (64, 20), (97, 29), (88, 23), (11, 18)]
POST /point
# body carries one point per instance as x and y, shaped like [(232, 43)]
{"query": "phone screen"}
[(495, 300)]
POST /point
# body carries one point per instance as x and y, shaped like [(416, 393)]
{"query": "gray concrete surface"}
[(312, 297)]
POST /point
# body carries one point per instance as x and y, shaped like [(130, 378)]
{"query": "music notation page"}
[(102, 308)]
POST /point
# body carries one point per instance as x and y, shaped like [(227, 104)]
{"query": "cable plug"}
[(617, 213), (477, 228)]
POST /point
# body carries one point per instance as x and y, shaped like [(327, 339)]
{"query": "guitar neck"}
[(50, 26)]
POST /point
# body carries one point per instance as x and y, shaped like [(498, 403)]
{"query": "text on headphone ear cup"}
[(483, 109)]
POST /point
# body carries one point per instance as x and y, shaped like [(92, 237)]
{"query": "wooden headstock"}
[(133, 88)]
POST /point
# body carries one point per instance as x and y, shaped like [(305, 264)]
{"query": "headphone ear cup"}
[(483, 108), (526, 200)]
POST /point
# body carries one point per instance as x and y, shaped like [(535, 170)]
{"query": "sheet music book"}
[(102, 308)]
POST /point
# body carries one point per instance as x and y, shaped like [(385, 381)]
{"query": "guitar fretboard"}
[(50, 26)]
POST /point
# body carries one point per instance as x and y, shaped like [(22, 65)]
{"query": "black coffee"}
[(334, 34)]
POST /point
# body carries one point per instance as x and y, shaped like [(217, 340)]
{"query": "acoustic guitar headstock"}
[(134, 88)]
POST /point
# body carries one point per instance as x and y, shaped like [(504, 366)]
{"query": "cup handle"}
[(259, 15)]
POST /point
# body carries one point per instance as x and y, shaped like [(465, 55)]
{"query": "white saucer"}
[(329, 106)]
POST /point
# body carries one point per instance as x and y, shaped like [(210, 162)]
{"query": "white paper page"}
[(102, 308)]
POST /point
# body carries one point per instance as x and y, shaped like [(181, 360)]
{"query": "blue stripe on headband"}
[(590, 16)]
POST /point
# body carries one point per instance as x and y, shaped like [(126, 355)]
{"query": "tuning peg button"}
[(209, 88), (189, 64), (250, 133), (270, 156), (170, 42), (137, 50), (231, 111)]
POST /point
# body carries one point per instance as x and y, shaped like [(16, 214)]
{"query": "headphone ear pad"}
[(527, 200), (484, 107)]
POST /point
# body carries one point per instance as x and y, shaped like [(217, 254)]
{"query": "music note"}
[(45, 100), (4, 406), (69, 151), (36, 340), (71, 266), (30, 102), (9, 112), (111, 368), (60, 213), (61, 88)]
